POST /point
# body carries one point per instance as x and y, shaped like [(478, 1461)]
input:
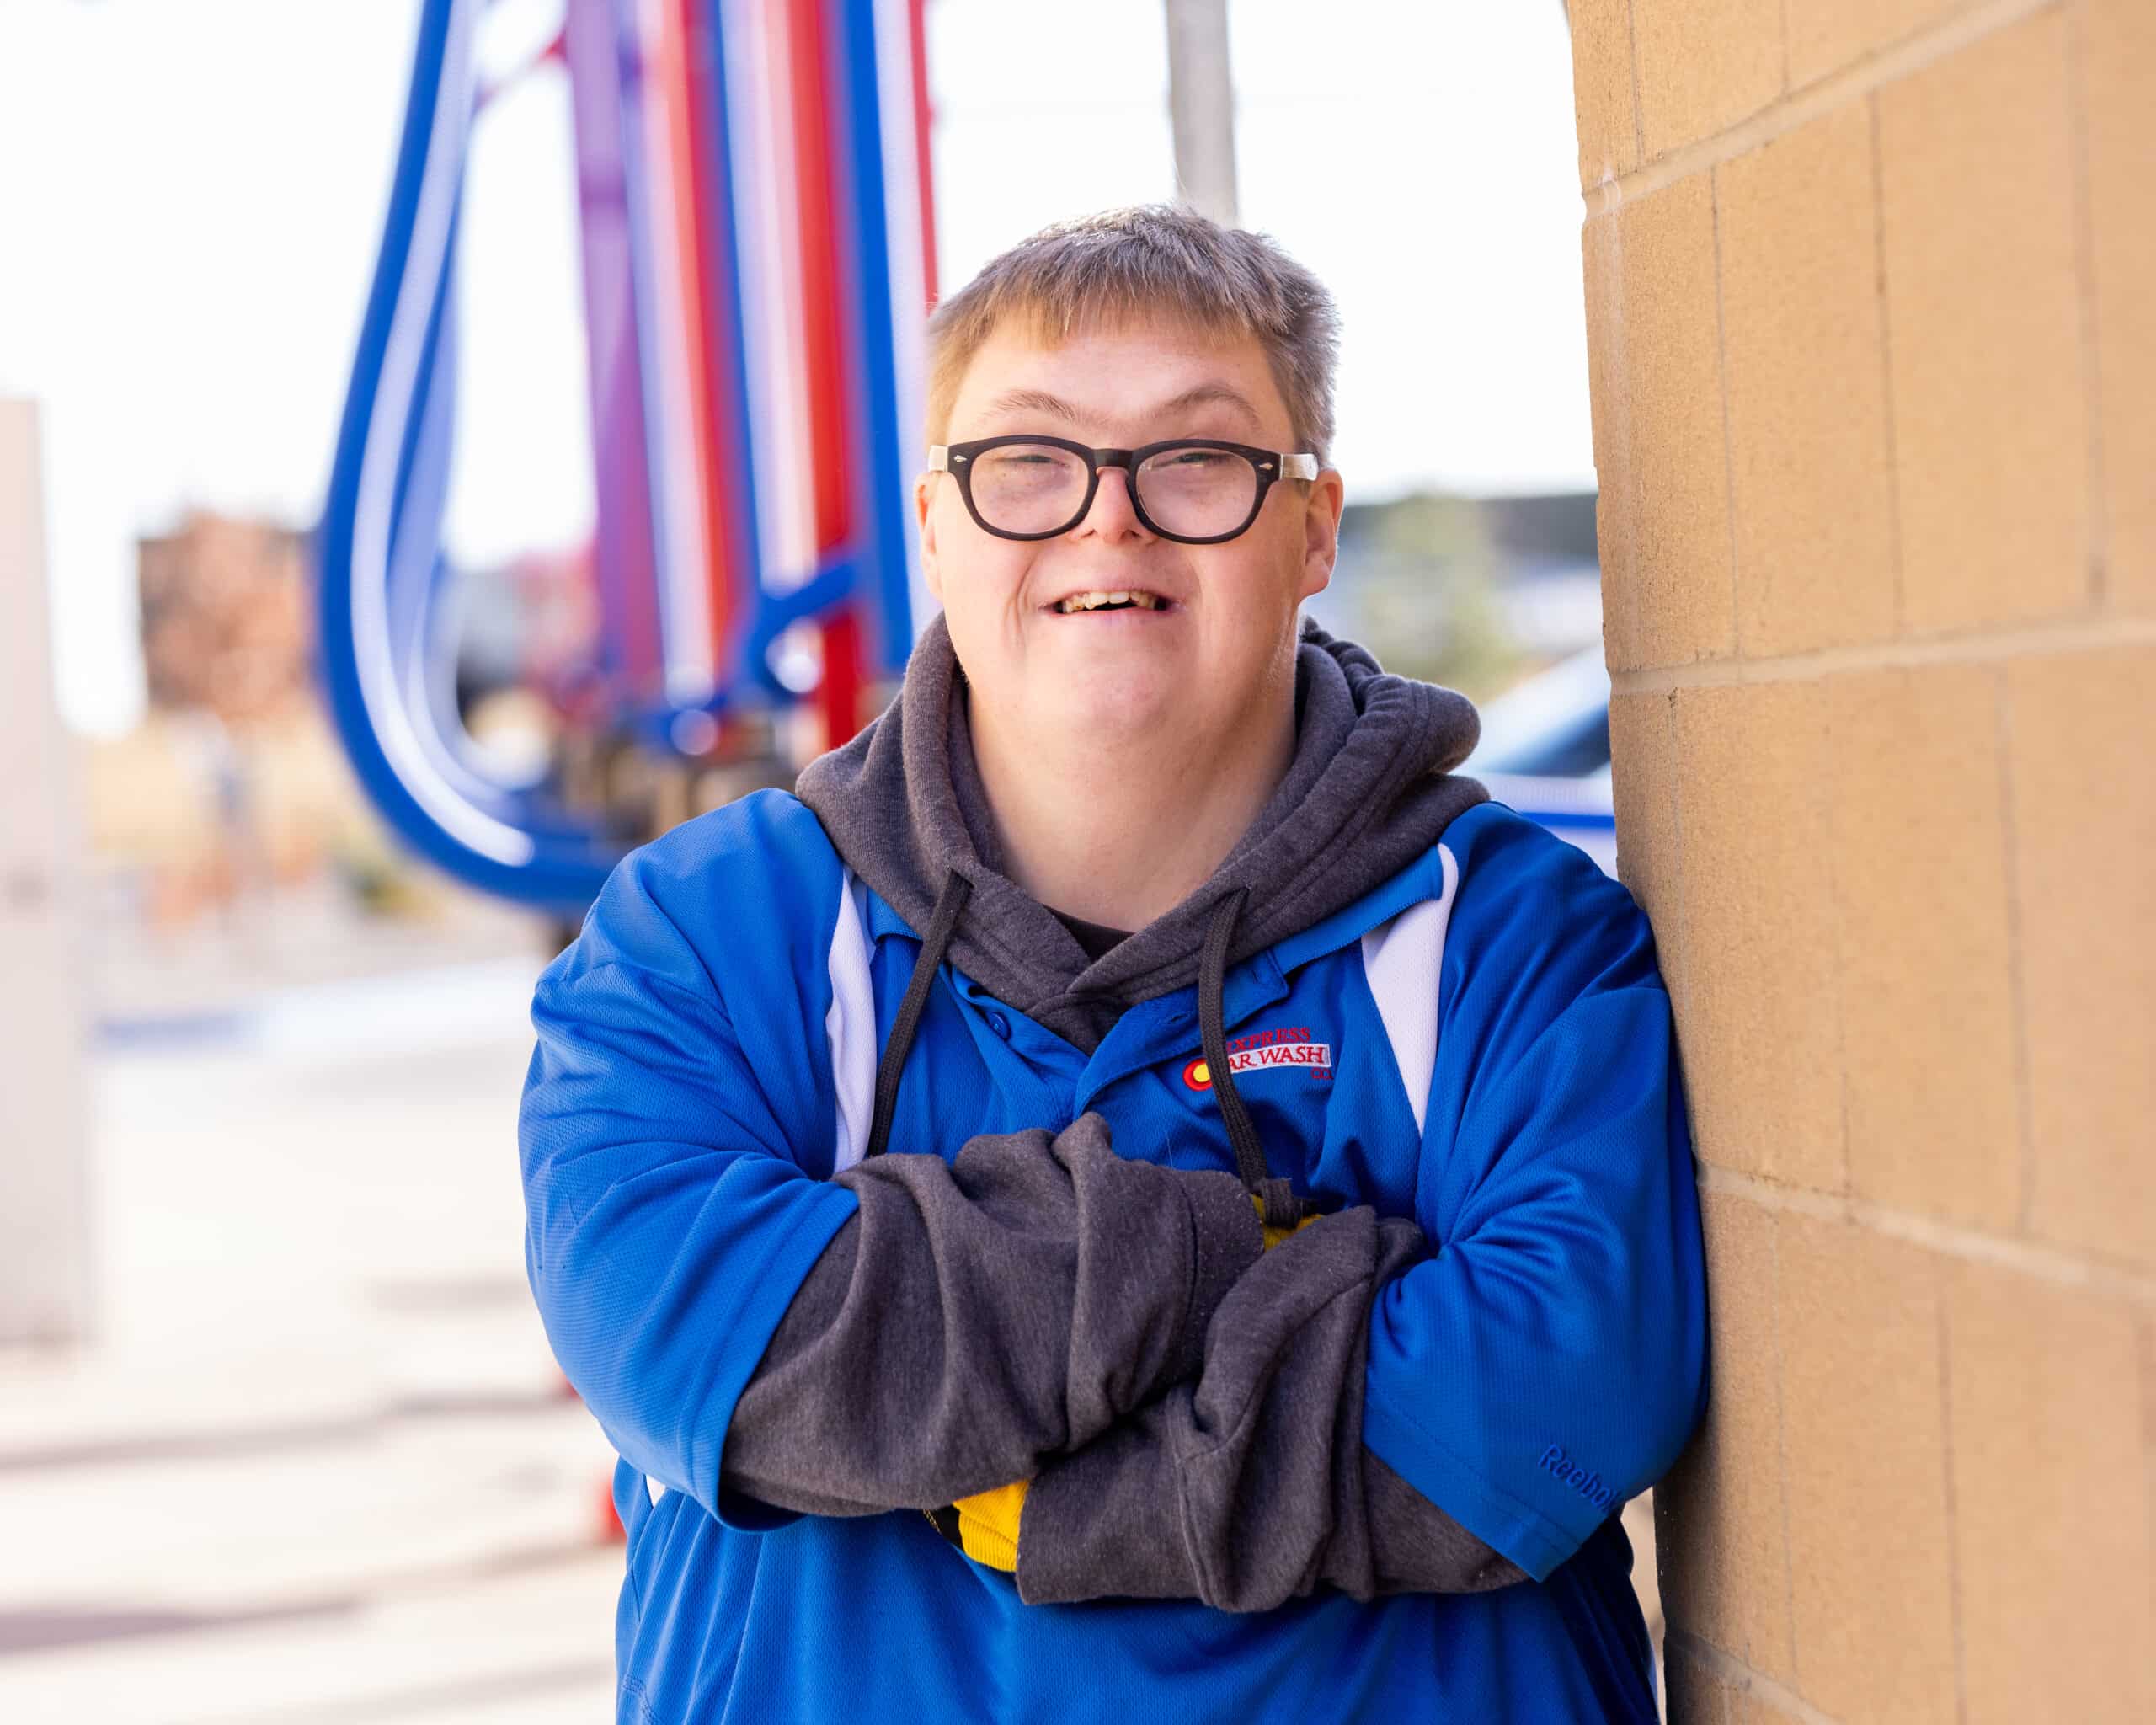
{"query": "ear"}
[(924, 522), (1320, 532)]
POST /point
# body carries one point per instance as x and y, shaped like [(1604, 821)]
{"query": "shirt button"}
[(1000, 1024)]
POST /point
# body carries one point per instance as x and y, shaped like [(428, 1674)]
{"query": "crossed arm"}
[(1197, 1419), (979, 1322)]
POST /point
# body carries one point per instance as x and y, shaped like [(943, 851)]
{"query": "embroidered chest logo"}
[(1263, 1051)]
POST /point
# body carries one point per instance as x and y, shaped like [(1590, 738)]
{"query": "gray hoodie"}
[(1038, 1308)]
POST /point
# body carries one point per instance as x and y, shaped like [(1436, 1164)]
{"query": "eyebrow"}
[(1208, 394)]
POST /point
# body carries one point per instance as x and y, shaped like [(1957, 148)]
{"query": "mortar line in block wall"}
[(1942, 1294), (1832, 863), (1639, 120), (1886, 354), (1742, 1678), (2044, 1264), (2017, 987), (2145, 1348), (1618, 393), (1835, 90), (2075, 634), (1728, 441), (1781, 1452), (1682, 999), (2097, 523)]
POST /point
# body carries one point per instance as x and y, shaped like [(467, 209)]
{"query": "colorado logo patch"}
[(1288, 1047)]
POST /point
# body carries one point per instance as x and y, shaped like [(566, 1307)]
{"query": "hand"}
[(987, 1522)]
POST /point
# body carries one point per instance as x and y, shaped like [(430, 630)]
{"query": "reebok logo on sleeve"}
[(1588, 1485)]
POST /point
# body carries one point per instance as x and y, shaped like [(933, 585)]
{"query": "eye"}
[(1034, 459)]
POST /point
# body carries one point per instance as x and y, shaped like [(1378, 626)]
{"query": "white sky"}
[(192, 198)]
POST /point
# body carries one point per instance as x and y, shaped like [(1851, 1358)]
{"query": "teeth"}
[(1096, 599)]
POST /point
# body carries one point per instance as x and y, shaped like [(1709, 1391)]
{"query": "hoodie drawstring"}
[(1279, 1206), (942, 924), (1282, 1209)]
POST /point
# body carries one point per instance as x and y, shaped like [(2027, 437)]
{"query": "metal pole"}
[(45, 1279), (1202, 106)]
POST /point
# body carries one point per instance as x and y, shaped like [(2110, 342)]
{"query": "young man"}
[(1286, 1261)]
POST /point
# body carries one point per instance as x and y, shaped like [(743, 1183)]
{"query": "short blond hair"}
[(1150, 260)]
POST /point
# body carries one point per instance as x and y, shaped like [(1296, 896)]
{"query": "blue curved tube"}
[(378, 546)]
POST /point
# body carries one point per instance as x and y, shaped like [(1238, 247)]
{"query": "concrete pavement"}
[(316, 1468)]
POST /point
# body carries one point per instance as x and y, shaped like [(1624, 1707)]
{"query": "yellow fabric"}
[(1273, 1236), (988, 1525), (988, 1521)]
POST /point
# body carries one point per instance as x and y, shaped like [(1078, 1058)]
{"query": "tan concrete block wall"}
[(1654, 291), (1864, 1438), (2114, 70), (1870, 297), (1825, 36), (1702, 65), (1811, 452), (1990, 412), (1917, 832), (2054, 1594), (1763, 1011), (2080, 731), (1721, 1528)]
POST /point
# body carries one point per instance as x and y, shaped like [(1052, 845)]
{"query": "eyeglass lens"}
[(1036, 488)]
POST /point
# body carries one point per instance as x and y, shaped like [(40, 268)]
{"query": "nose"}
[(1111, 514)]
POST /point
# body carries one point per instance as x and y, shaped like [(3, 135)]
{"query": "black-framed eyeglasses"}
[(1194, 490)]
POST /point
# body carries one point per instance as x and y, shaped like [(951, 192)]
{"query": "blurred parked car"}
[(1545, 751)]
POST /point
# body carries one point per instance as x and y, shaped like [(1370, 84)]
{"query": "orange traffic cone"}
[(606, 1526)]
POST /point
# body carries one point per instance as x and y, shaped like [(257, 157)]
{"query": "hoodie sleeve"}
[(1511, 1388), (1252, 1485), (977, 1317), (677, 1101)]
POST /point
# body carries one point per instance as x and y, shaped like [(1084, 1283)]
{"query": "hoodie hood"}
[(1370, 789)]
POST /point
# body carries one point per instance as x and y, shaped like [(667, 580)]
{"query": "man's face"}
[(1221, 636)]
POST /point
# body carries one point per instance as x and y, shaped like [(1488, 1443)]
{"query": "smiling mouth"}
[(1117, 600)]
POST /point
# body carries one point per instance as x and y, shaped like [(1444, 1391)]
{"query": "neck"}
[(1121, 835)]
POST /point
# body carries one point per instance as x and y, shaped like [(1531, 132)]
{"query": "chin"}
[(1104, 708)]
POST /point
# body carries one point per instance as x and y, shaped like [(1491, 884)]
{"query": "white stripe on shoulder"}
[(851, 1024), (1402, 960)]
